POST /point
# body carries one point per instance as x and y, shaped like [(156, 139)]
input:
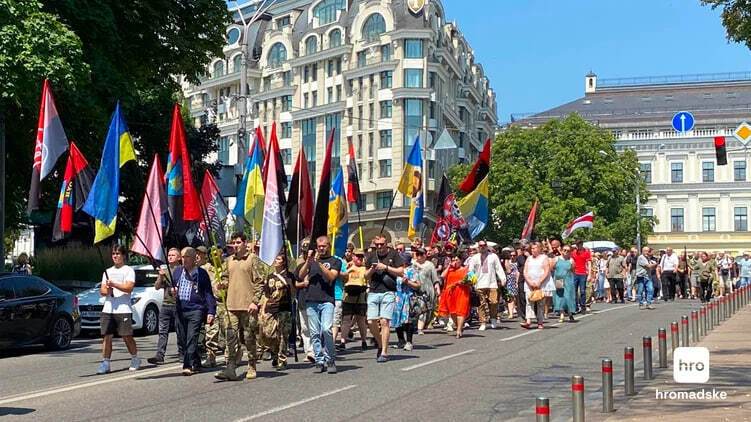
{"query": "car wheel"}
[(61, 335), (151, 320)]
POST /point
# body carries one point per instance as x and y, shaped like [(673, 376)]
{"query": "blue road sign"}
[(683, 121)]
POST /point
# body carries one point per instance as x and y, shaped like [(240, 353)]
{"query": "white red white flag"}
[(585, 221)]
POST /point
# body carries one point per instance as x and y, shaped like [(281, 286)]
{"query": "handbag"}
[(418, 304), (536, 295), (559, 283)]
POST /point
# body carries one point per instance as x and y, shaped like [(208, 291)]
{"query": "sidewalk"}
[(729, 347)]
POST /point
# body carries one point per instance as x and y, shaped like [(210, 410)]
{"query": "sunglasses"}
[(380, 244)]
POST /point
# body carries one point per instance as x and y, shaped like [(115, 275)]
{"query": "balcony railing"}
[(671, 134)]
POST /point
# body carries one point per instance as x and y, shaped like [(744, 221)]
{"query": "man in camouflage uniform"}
[(215, 339)]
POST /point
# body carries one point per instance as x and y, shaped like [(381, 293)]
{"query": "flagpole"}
[(359, 225), (393, 198)]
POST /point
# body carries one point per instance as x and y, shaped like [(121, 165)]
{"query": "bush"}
[(71, 262)]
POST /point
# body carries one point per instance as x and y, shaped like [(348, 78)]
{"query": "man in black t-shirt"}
[(384, 266), (319, 273)]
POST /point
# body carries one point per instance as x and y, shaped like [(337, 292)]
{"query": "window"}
[(707, 171), (676, 172), (305, 100), (237, 63), (412, 123), (233, 36), (29, 287), (386, 109), (676, 219), (647, 212), (283, 21), (646, 171), (385, 136), (739, 171), (374, 26), (314, 72), (383, 200), (308, 129), (6, 290), (386, 52), (708, 220), (360, 117), (371, 87), (287, 78), (338, 66), (370, 170), (223, 152), (335, 38), (311, 45), (218, 69), (362, 59), (371, 114), (370, 146), (413, 49), (286, 129), (287, 103), (277, 55), (286, 156), (413, 78), (359, 147), (741, 219), (326, 11), (384, 168), (314, 102), (334, 122), (330, 68), (330, 95), (338, 93), (386, 79)]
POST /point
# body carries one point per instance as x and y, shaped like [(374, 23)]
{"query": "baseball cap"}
[(202, 249)]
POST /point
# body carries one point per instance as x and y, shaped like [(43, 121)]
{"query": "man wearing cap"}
[(744, 270), (487, 268)]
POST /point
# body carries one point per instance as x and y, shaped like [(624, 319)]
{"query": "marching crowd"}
[(222, 303)]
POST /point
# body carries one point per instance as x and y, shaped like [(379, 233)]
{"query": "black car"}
[(33, 311)]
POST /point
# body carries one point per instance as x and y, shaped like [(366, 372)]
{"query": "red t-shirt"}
[(580, 261)]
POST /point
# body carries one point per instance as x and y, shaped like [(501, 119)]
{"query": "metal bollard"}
[(628, 367), (710, 315), (684, 331), (647, 344), (607, 386), (715, 313), (542, 409), (662, 341), (577, 397), (674, 336), (694, 326), (724, 300), (702, 321)]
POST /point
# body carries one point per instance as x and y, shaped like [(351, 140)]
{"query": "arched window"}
[(218, 69), (335, 38), (277, 55), (236, 63), (326, 10), (311, 45), (374, 26), (233, 36)]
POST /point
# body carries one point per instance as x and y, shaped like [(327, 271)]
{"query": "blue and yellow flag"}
[(102, 202), (338, 228), (411, 186), (475, 208), (250, 192)]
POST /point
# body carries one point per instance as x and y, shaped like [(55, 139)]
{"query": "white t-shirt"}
[(669, 262), (119, 302)]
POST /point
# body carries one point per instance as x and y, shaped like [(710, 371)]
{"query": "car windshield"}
[(146, 277)]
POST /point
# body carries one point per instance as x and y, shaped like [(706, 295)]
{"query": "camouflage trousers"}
[(274, 334), (242, 327), (216, 333)]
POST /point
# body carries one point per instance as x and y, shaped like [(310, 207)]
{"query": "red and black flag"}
[(216, 212), (281, 175), (76, 186), (321, 215), (529, 226), (479, 170), (353, 178), (299, 208), (443, 193)]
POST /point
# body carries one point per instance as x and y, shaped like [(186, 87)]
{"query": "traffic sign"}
[(743, 133), (683, 121)]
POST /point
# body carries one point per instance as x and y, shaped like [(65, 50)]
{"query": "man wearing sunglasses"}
[(384, 266), (489, 272)]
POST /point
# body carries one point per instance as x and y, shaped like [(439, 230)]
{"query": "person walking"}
[(666, 271), (404, 320), (536, 272), (116, 317), (512, 277), (355, 299), (726, 280), (384, 266), (707, 269), (744, 270), (302, 314), (430, 285), (489, 271), (275, 320), (681, 278), (168, 312), (616, 273), (644, 285), (22, 264), (564, 299), (215, 340), (455, 299), (582, 263), (243, 296)]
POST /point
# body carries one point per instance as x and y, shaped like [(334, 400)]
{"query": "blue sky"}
[(536, 52)]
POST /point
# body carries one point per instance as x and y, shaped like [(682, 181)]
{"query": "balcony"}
[(321, 55), (421, 93), (372, 66), (671, 134), (319, 110), (209, 81)]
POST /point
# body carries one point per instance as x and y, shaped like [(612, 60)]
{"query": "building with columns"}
[(696, 203), (379, 72)]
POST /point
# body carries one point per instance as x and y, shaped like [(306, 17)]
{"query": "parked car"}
[(145, 302), (32, 310)]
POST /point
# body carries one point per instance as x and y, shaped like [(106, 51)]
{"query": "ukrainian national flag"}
[(102, 201), (411, 186), (250, 195), (338, 228), (475, 208)]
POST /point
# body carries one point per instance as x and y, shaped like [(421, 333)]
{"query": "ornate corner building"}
[(379, 72), (696, 203)]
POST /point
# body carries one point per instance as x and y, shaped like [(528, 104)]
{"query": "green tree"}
[(571, 167), (736, 17), (133, 51)]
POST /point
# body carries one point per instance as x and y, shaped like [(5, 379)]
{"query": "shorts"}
[(381, 305), (337, 313), (356, 309), (694, 280), (120, 324), (727, 282)]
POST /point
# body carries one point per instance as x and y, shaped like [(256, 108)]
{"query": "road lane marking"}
[(295, 404), (430, 362), (614, 308), (520, 335)]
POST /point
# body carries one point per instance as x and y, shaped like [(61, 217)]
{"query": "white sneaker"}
[(466, 325), (408, 346), (492, 324), (104, 368), (135, 363), (482, 327), (449, 328)]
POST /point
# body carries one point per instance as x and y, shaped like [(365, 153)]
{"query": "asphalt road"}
[(490, 375)]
